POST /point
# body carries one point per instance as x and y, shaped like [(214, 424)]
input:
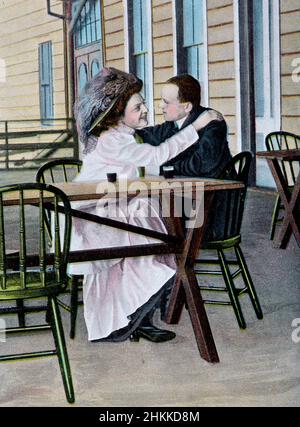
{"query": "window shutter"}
[(46, 80)]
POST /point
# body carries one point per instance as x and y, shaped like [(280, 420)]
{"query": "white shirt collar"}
[(180, 122)]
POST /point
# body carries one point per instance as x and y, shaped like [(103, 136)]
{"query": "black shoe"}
[(152, 333)]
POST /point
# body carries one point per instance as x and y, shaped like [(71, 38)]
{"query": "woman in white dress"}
[(120, 294)]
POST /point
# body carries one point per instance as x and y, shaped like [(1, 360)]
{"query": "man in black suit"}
[(181, 97)]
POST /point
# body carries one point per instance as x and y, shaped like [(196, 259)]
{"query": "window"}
[(139, 27), (264, 58), (82, 77), (95, 67), (46, 80), (88, 26), (191, 41), (88, 49)]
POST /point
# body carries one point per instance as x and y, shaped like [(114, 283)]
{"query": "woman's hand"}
[(205, 118)]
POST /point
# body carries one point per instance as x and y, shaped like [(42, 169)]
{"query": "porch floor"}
[(258, 367)]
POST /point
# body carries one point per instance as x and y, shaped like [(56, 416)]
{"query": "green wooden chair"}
[(63, 170), (35, 274), (281, 140), (237, 169)]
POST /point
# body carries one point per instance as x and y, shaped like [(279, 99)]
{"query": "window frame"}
[(146, 51), (181, 51), (81, 26)]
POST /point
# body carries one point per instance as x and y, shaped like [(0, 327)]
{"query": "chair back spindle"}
[(281, 140), (27, 271), (63, 170), (52, 172), (233, 201)]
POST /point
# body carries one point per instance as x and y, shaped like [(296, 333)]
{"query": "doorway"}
[(266, 38), (88, 48)]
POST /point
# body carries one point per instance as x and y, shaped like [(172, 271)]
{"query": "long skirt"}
[(115, 290)]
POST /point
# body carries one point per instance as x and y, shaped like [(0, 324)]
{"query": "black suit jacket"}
[(206, 158)]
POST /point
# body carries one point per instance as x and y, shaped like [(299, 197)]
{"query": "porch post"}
[(248, 131)]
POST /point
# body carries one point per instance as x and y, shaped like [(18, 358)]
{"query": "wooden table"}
[(183, 243), (290, 200)]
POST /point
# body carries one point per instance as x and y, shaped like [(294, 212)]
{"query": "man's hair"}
[(189, 89)]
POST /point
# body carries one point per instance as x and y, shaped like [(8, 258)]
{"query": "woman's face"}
[(136, 112)]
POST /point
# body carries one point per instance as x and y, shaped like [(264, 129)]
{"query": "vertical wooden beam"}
[(248, 130)]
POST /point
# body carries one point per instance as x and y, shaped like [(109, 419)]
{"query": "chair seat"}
[(222, 244)]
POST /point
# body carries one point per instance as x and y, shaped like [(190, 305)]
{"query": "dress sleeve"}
[(155, 135), (126, 149)]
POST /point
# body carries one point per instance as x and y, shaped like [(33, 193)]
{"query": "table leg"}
[(195, 305), (291, 221), (186, 289)]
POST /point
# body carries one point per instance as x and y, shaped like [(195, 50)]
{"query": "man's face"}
[(136, 112), (171, 107)]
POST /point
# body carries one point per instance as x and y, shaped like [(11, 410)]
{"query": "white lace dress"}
[(114, 289)]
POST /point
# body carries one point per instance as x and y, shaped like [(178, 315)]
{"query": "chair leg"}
[(275, 214), (231, 289), (59, 339), (248, 282), (73, 304), (21, 313)]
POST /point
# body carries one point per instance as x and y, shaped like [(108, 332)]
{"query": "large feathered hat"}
[(99, 97)]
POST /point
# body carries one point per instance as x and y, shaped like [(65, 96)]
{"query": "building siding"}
[(113, 33), (162, 33), (290, 51), (23, 26), (221, 63)]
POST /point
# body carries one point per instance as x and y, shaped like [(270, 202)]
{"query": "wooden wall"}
[(162, 33), (290, 65), (23, 25), (221, 62), (113, 20)]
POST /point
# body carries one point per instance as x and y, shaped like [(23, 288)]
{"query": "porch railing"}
[(27, 144)]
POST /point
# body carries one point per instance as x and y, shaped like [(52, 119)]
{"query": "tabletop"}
[(292, 154), (150, 185)]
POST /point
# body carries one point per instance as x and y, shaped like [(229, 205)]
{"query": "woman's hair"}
[(113, 117), (102, 103)]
